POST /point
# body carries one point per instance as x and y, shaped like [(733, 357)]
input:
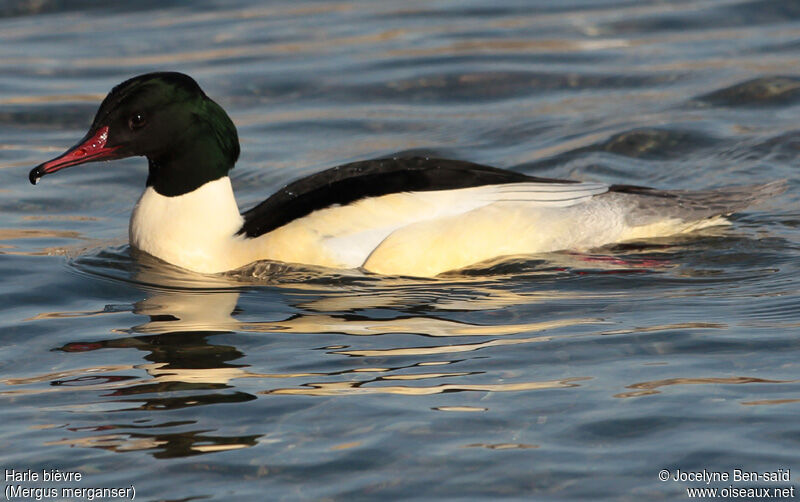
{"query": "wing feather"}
[(348, 234), (350, 183)]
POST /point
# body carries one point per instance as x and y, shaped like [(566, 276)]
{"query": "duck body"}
[(338, 219), (400, 216)]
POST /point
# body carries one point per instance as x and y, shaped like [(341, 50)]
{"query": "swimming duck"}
[(401, 216)]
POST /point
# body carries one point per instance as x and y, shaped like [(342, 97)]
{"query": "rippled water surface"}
[(562, 376)]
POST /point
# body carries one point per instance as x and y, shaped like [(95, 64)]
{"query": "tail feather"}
[(650, 205)]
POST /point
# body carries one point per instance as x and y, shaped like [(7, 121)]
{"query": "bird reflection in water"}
[(189, 364)]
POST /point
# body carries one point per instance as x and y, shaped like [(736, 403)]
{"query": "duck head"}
[(187, 138)]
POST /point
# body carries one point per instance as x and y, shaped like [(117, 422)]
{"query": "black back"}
[(372, 178)]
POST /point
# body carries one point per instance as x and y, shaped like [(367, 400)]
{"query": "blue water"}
[(550, 377)]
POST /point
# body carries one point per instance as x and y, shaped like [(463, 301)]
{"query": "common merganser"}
[(399, 216)]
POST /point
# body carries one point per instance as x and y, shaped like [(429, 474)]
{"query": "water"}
[(562, 376)]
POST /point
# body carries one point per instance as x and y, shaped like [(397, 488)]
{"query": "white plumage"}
[(410, 233)]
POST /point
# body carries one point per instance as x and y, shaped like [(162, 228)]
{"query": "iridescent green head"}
[(187, 138)]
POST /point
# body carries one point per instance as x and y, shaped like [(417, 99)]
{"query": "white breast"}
[(194, 230)]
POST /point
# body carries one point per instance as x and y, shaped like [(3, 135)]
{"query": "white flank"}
[(349, 236)]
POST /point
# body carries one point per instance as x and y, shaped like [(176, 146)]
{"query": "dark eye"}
[(136, 121)]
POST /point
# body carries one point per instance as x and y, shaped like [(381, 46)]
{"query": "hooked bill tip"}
[(35, 176)]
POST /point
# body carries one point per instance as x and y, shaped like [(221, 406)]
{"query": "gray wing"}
[(649, 205)]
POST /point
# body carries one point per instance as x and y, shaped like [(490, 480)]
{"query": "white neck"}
[(196, 230)]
